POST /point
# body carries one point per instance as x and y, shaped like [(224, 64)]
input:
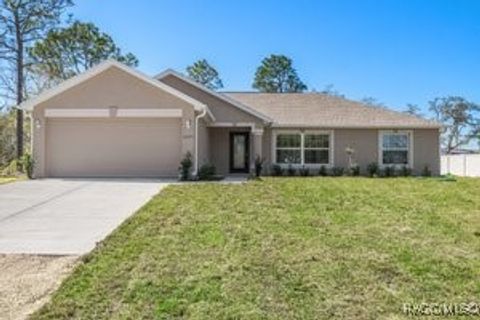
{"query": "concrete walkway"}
[(67, 216)]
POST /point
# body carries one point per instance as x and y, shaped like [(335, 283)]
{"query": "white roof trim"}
[(359, 126), (210, 114), (219, 95), (107, 64)]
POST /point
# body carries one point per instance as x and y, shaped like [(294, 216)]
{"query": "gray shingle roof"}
[(315, 109)]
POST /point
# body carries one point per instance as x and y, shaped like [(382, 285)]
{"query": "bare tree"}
[(22, 22), (461, 119), (373, 102), (413, 109), (330, 90)]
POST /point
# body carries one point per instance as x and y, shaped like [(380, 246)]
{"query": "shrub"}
[(449, 177), (277, 170), (259, 166), (372, 169), (354, 170), (426, 172), (291, 171), (337, 171), (304, 171), (207, 172), (406, 171), (11, 169), (389, 171), (7, 138), (27, 165), (185, 167), (322, 171)]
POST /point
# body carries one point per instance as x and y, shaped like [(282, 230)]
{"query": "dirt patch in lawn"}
[(26, 281)]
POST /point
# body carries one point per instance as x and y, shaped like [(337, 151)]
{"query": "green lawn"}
[(284, 248)]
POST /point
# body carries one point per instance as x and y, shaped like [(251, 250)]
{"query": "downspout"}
[(197, 118)]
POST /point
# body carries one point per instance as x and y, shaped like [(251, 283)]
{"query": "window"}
[(309, 148), (289, 148), (316, 148), (395, 148)]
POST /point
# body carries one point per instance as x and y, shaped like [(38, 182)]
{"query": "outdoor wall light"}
[(38, 124), (188, 123)]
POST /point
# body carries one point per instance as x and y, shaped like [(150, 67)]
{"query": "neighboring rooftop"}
[(316, 109)]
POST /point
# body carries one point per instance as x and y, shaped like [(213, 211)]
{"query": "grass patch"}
[(297, 248)]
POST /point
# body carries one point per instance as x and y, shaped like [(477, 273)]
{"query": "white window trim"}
[(381, 133), (302, 133)]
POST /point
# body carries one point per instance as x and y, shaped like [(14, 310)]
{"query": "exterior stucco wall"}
[(222, 110), (111, 88), (267, 147), (365, 144), (427, 150), (203, 143)]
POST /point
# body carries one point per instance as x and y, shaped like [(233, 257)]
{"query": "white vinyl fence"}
[(465, 165)]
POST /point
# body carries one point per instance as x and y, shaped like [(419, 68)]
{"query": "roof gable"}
[(98, 69), (235, 103)]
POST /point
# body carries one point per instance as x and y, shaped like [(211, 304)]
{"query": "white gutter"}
[(197, 118)]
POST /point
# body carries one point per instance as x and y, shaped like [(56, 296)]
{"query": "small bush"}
[(449, 177), (185, 167), (389, 171), (426, 172), (337, 171), (354, 170), (372, 169), (207, 172), (277, 170), (27, 165), (304, 171), (259, 166), (405, 171), (291, 171), (322, 171)]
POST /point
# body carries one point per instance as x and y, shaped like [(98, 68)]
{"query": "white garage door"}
[(113, 147)]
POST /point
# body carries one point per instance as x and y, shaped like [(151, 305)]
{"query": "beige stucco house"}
[(113, 121)]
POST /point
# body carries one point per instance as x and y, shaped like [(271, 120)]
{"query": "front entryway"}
[(239, 146)]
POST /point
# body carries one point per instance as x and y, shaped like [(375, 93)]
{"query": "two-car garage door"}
[(130, 147)]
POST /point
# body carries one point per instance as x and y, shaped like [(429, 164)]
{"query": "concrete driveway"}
[(67, 216)]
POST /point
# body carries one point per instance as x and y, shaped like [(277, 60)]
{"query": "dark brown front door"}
[(239, 146)]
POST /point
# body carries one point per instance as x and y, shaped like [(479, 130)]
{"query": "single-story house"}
[(113, 121)]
